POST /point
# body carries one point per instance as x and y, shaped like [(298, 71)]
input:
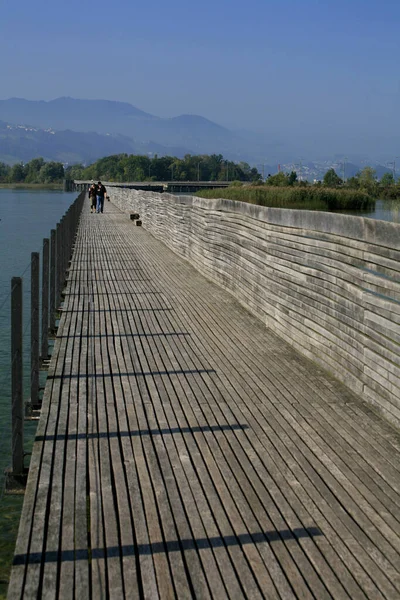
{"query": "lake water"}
[(26, 218), (385, 210)]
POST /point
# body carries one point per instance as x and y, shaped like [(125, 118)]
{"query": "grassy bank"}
[(31, 186), (310, 198)]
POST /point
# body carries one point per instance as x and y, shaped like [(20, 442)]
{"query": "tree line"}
[(35, 171), (365, 181), (124, 167)]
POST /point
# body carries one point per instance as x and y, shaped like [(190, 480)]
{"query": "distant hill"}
[(191, 132), (68, 113), (73, 130), (381, 170), (22, 143)]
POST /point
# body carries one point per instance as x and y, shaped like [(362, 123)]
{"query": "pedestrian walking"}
[(100, 193), (93, 197)]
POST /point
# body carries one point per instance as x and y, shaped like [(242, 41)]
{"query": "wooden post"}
[(58, 265), (64, 249), (16, 378), (52, 307), (45, 300), (34, 328), (57, 260), (71, 232)]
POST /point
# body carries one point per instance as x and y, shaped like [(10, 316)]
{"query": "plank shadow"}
[(113, 310), (140, 432), (179, 545), (126, 335), (97, 293), (113, 280), (118, 260), (132, 374), (110, 268)]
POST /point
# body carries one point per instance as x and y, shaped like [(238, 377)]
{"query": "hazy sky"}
[(322, 68)]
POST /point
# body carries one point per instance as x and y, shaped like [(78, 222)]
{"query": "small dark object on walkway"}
[(138, 223), (134, 216)]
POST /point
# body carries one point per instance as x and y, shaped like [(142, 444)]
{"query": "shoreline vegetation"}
[(283, 189), (304, 198), (37, 171)]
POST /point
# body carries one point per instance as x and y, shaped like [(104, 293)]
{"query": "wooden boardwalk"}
[(184, 451)]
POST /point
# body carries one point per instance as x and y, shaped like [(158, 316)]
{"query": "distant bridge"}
[(151, 186)]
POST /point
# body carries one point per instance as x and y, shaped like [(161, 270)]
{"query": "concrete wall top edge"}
[(382, 233)]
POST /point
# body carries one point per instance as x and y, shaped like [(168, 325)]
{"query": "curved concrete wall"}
[(329, 284)]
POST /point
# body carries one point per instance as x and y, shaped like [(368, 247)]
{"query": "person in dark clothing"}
[(100, 193), (93, 197)]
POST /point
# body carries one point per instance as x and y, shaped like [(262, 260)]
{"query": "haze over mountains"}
[(71, 130), (24, 142), (128, 129)]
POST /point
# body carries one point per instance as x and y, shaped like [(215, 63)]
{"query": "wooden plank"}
[(74, 525), (119, 487), (124, 406), (98, 581), (62, 480), (168, 531), (43, 453)]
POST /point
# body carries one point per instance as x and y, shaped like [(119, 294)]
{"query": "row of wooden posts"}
[(57, 251)]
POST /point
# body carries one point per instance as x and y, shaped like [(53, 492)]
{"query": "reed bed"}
[(307, 198)]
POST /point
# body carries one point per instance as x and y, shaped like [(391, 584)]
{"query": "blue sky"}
[(320, 68)]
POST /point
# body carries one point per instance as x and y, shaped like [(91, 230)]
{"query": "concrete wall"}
[(329, 284)]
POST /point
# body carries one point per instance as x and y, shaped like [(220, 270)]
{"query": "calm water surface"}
[(26, 218), (385, 210)]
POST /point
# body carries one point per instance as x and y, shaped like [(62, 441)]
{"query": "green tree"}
[(292, 178), (255, 176), (32, 170), (74, 172), (17, 173), (353, 183), (139, 174), (331, 179), (4, 172), (51, 172), (387, 179), (215, 162), (279, 179), (368, 181)]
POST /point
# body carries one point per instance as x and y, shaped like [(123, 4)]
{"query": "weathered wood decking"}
[(185, 451)]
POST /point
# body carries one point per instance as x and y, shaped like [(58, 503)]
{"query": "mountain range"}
[(24, 142), (81, 131), (127, 128)]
